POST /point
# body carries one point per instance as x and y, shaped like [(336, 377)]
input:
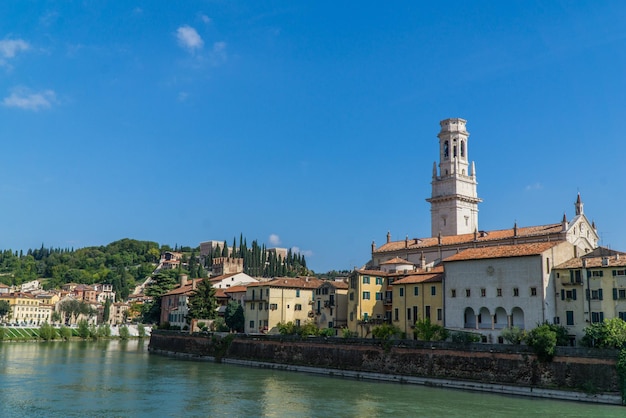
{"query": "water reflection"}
[(120, 379)]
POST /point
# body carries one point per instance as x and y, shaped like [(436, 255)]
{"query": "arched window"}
[(455, 151), (462, 148), (446, 152)]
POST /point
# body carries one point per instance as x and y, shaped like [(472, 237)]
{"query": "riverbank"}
[(574, 374)]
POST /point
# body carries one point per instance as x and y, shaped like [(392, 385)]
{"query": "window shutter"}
[(587, 295), (574, 294), (614, 273), (588, 274), (562, 294), (600, 294), (614, 292), (571, 275)]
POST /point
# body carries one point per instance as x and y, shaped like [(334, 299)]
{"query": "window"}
[(297, 307), (252, 307), (439, 314), (619, 272), (253, 298), (366, 280), (428, 312), (468, 293), (251, 324), (352, 282), (379, 295), (568, 294), (401, 291), (533, 291), (453, 293), (515, 291), (594, 294), (597, 273), (351, 295), (260, 306), (433, 290), (273, 306), (267, 292), (297, 322), (416, 291), (395, 314), (366, 295), (351, 316), (622, 315), (597, 317), (297, 293), (379, 280), (499, 292), (408, 314), (570, 317), (267, 306), (483, 292)]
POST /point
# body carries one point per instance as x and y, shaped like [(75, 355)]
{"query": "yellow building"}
[(25, 308), (417, 297), (277, 301), (590, 289), (331, 305)]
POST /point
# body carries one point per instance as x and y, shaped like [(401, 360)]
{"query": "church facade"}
[(490, 280)]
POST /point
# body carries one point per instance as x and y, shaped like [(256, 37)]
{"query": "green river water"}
[(120, 379)]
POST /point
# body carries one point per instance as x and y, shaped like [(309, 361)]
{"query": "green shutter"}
[(574, 294), (614, 291), (562, 294), (600, 294)]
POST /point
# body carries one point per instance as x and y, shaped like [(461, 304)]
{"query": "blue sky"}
[(303, 124)]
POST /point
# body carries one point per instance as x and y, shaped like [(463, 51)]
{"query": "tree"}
[(162, 282), (124, 333), (427, 331), (106, 312), (202, 302), (5, 308), (543, 342), (83, 329), (234, 316), (611, 333), (47, 332)]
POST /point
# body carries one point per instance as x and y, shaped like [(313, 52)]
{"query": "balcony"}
[(571, 282)]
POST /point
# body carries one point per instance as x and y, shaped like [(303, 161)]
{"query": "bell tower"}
[(454, 200)]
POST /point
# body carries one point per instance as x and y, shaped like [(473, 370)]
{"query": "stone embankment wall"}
[(571, 369)]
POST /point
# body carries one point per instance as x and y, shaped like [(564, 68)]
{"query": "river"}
[(120, 379)]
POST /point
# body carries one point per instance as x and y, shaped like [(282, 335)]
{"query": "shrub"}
[(104, 331), (346, 333), (124, 332), (47, 332), (141, 330), (2, 332), (202, 326), (611, 333), (427, 331), (288, 328), (513, 335), (65, 332), (385, 332), (83, 329), (543, 342), (464, 337), (309, 328), (327, 332), (219, 325)]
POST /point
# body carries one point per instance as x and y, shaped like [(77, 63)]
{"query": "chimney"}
[(406, 242), (388, 237), (183, 280)]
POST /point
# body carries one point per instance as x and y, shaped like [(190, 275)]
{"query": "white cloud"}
[(9, 47), (206, 19), (274, 239), (536, 186), (24, 99), (306, 253), (189, 39)]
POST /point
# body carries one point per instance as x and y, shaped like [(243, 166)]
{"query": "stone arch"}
[(484, 318), (500, 319), (517, 318), (469, 318)]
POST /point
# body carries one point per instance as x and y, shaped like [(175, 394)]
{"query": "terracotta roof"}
[(502, 251), (481, 236), (3, 286), (593, 262), (235, 289), (420, 278), (396, 260), (219, 293), (298, 282)]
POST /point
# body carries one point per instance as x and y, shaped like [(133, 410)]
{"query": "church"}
[(492, 280), (454, 213)]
